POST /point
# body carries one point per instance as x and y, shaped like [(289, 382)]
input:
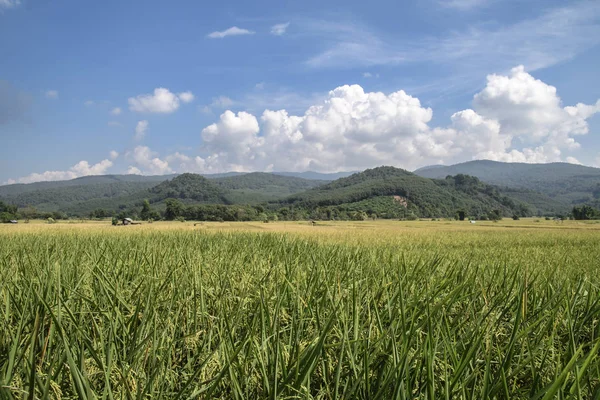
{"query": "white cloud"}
[(279, 29), (597, 161), (116, 111), (530, 111), (9, 3), (367, 75), (89, 103), (140, 129), (115, 124), (148, 162), (133, 171), (82, 168), (52, 94), (515, 118), (573, 160), (233, 31), (114, 154), (186, 97), (259, 86), (161, 101)]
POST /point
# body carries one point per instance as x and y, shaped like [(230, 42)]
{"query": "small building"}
[(14, 221), (127, 221)]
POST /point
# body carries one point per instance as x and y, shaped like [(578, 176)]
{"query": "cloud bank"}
[(82, 168), (515, 118)]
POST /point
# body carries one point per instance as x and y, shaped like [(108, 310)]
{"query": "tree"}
[(5, 217), (495, 215), (146, 210), (174, 209), (29, 213), (460, 214), (585, 212)]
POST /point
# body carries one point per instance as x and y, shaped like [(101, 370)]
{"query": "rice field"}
[(366, 310)]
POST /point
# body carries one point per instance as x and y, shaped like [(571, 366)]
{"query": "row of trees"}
[(10, 212), (585, 212)]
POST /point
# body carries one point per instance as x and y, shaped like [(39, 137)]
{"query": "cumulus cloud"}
[(279, 29), (116, 111), (140, 129), (233, 31), (161, 101), (186, 97), (52, 94), (133, 170), (515, 118), (114, 154), (147, 162), (82, 168)]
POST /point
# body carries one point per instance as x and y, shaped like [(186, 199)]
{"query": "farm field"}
[(371, 310)]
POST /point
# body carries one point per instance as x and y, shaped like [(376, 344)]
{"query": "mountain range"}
[(474, 187), (561, 185)]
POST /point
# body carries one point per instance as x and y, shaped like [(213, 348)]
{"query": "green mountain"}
[(57, 199), (192, 187), (259, 187), (563, 185), (392, 192), (18, 188), (121, 192)]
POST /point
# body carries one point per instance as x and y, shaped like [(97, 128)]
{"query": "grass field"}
[(371, 310)]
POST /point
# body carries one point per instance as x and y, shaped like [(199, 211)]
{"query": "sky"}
[(153, 87)]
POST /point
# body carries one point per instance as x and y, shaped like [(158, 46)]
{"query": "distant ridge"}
[(566, 184), (429, 167)]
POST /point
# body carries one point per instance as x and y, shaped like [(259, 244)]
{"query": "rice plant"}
[(362, 311)]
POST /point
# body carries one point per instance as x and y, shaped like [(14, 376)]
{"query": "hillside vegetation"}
[(114, 193), (566, 184), (384, 192), (425, 197)]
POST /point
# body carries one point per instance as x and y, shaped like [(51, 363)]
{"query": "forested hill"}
[(386, 189), (79, 183), (83, 195), (566, 184)]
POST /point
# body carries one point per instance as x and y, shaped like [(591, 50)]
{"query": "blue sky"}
[(152, 87)]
